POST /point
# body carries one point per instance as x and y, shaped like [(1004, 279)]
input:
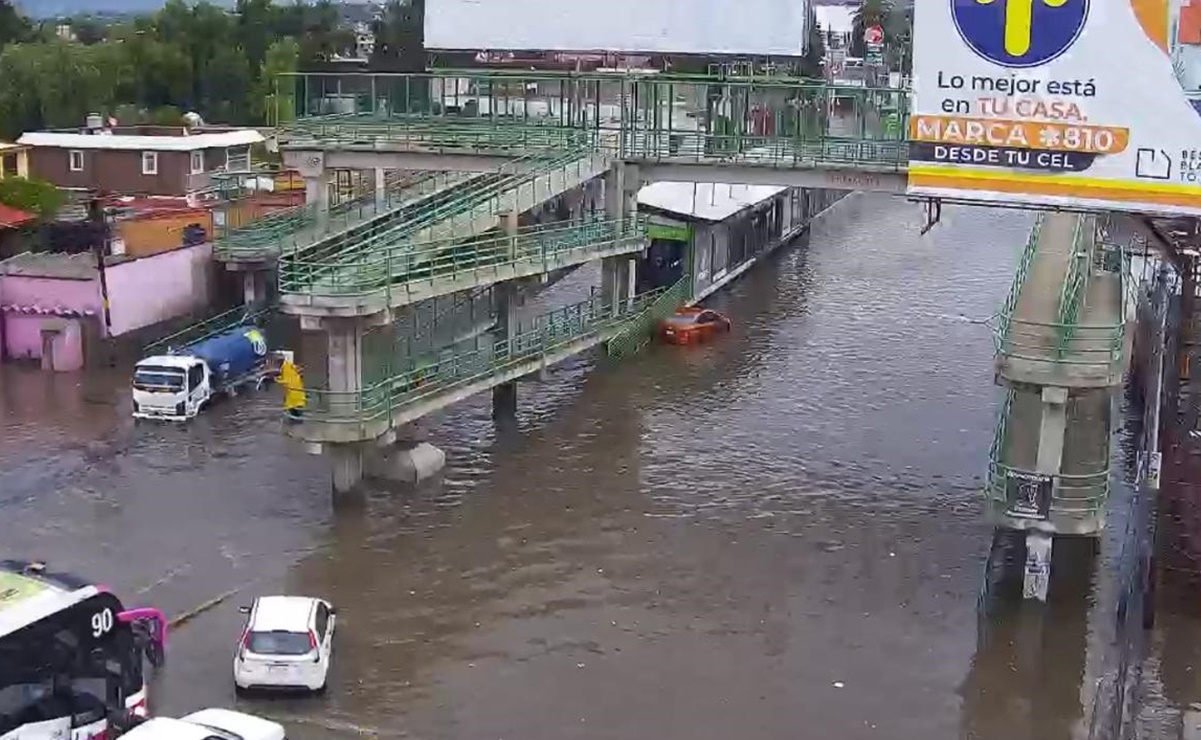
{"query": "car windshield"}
[(279, 642), (152, 376)]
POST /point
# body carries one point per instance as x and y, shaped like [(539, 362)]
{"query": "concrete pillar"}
[(344, 363), (1038, 565), (254, 287), (615, 201), (316, 191), (407, 463), (505, 295), (1051, 430), (1037, 575), (381, 187), (347, 463)]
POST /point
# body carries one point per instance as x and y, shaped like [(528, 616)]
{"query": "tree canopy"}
[(186, 57)]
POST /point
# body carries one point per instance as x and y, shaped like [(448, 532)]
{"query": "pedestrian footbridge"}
[(1061, 353)]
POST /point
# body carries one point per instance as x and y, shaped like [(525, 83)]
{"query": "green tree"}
[(813, 63), (30, 195), (14, 27), (867, 14), (276, 90)]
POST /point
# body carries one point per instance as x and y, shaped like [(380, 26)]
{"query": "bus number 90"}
[(102, 623)]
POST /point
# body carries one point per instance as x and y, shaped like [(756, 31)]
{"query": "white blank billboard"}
[(763, 27)]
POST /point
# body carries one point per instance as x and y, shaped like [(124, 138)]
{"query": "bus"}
[(71, 656)]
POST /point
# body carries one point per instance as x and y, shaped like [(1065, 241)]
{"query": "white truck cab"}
[(171, 387), (208, 724)]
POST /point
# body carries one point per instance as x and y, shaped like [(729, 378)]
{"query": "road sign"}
[(873, 35)]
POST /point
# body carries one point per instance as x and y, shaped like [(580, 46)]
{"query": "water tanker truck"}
[(178, 385)]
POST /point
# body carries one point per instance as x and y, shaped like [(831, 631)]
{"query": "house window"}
[(197, 163), (149, 163), (237, 159), (76, 160)]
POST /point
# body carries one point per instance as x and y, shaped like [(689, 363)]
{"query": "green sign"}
[(671, 233)]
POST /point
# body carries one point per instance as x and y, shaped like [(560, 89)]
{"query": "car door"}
[(325, 632)]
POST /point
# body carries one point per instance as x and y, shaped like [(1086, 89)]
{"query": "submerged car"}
[(287, 644), (692, 325)]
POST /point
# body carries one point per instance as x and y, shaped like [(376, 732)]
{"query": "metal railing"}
[(1019, 279), (208, 328), (638, 332), (1071, 494), (473, 361), (527, 177), (1075, 283), (777, 121), (1065, 341), (402, 265), (287, 230)]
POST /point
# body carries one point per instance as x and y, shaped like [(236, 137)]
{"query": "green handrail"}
[(1072, 494), (421, 379), (1005, 315), (638, 332), (1075, 285), (208, 328), (474, 202), (403, 265)]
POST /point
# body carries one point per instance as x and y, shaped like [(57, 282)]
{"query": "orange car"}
[(692, 325)]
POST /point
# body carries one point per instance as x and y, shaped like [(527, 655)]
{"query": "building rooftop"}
[(707, 201), (56, 265), (141, 139), (12, 217)]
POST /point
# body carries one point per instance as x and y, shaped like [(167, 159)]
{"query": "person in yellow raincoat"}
[(294, 395)]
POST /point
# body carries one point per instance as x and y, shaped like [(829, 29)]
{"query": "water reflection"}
[(778, 533)]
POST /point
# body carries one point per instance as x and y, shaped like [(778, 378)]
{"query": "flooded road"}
[(776, 535)]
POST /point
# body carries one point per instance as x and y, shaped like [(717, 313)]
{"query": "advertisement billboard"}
[(1077, 103), (761, 27)]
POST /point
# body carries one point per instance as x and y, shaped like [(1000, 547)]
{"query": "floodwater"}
[(777, 535)]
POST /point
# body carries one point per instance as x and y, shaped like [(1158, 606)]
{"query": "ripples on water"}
[(776, 534)]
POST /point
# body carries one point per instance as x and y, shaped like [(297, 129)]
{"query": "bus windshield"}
[(76, 663)]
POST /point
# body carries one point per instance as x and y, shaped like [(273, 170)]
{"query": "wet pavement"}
[(779, 534)]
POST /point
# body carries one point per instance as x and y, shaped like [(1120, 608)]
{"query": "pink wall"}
[(23, 332), (152, 289), (23, 338)]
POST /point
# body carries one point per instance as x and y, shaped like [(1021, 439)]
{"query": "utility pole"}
[(97, 231)]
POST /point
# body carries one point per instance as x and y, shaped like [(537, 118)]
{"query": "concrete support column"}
[(1037, 575), (381, 187), (346, 460), (615, 282), (1038, 565), (344, 364), (509, 222), (254, 287), (505, 295), (1051, 430), (316, 192)]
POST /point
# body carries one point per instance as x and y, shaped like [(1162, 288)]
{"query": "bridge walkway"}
[(399, 389), (296, 228), (1061, 340), (464, 242)]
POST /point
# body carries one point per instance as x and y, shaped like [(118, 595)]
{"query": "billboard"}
[(1074, 103), (761, 27)]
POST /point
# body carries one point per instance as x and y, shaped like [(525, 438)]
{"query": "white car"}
[(286, 644), (208, 724)]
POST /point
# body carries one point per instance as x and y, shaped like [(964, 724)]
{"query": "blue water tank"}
[(232, 353)]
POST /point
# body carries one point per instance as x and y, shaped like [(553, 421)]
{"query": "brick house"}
[(138, 160)]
